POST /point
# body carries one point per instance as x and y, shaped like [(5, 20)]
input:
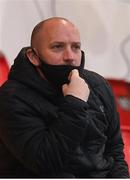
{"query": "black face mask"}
[(58, 74)]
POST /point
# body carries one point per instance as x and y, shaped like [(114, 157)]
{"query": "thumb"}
[(74, 73), (64, 88)]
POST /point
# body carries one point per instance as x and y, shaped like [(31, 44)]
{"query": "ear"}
[(33, 58)]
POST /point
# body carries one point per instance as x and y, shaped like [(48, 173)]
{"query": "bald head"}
[(55, 41), (48, 25)]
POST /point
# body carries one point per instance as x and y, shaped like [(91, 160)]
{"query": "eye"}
[(76, 46), (57, 46)]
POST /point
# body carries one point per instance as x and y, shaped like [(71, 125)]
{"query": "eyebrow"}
[(62, 42)]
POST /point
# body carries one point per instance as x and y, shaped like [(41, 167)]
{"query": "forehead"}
[(60, 31)]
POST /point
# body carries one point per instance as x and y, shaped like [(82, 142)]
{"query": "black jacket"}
[(43, 134)]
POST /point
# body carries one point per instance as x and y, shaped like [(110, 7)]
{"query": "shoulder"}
[(11, 88), (94, 79), (13, 93)]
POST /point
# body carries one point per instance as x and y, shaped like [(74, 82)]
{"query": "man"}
[(56, 118)]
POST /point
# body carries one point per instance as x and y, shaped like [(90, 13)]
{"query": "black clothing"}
[(44, 134), (53, 72)]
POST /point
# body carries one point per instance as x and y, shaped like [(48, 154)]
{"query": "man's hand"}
[(77, 86)]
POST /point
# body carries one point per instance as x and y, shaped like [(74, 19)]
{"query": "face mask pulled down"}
[(57, 75)]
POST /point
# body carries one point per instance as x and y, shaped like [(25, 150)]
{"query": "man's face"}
[(59, 44)]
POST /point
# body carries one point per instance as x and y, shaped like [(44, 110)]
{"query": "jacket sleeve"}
[(115, 145), (42, 148)]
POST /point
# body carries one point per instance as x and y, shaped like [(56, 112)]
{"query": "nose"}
[(68, 56)]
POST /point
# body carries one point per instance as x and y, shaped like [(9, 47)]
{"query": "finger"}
[(75, 73), (64, 87), (70, 74)]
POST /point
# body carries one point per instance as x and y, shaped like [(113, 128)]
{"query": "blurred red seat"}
[(126, 138), (4, 69), (121, 91)]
